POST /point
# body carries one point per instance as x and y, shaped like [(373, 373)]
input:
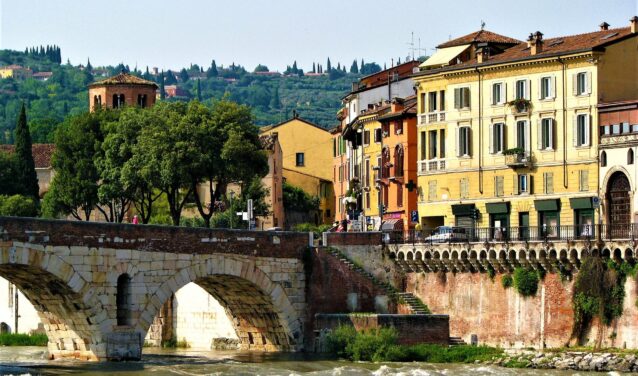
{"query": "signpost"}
[(414, 216)]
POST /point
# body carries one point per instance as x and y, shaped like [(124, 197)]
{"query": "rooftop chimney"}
[(633, 23), (536, 43), (482, 54), (530, 39), (604, 26)]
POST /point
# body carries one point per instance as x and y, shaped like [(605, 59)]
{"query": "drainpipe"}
[(564, 104), (480, 127)]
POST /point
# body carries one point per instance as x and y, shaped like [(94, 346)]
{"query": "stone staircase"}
[(417, 307), (456, 341)]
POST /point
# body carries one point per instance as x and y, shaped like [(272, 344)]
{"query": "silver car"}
[(443, 234)]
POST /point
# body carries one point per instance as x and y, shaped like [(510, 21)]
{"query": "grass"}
[(175, 344), (380, 345), (23, 339)]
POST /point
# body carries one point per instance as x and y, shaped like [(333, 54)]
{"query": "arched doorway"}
[(618, 205)]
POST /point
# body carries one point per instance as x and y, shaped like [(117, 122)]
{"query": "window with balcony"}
[(432, 101), (546, 88), (442, 141), (498, 93), (422, 104), (385, 162), (386, 129), (522, 89), (398, 161), (462, 98), (463, 141), (398, 126), (432, 144), (423, 145), (442, 100), (546, 134), (581, 131), (522, 135), (497, 138)]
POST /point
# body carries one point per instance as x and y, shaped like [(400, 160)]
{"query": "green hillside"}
[(272, 97)]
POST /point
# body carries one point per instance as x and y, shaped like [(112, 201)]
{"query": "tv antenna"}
[(411, 44), (482, 25)]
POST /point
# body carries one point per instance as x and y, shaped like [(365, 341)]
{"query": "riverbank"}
[(566, 359), (11, 339)]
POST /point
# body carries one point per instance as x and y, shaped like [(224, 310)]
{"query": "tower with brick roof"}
[(122, 90)]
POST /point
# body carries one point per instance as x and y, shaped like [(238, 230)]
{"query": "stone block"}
[(123, 254)]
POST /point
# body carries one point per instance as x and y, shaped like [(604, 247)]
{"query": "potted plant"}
[(520, 104), (513, 151)]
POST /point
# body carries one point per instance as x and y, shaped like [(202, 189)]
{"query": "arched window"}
[(118, 100), (141, 100), (385, 163), (123, 299), (603, 159), (398, 161), (96, 101), (630, 156)]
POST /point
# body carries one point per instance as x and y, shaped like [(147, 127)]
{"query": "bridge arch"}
[(65, 302), (259, 308)]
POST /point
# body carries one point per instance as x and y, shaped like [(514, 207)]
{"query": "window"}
[(463, 141), (366, 137), (432, 101), (141, 100), (603, 159), (547, 89), (462, 98), (522, 89), (442, 100), (630, 156), (377, 135), (334, 147), (366, 180), (546, 134), (385, 160), (432, 190), (442, 140), (464, 188), (432, 144), (422, 107), (300, 160), (581, 131), (522, 135), (398, 161), (583, 180), (522, 184), (399, 195), (582, 84), (423, 145), (341, 173), (498, 186), (118, 100), (548, 182), (398, 127), (123, 300), (498, 93), (497, 138), (386, 129)]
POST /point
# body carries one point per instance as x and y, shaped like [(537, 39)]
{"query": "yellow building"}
[(307, 160), (508, 134), (15, 71)]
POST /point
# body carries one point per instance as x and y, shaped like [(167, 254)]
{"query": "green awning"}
[(462, 209), (546, 205), (581, 203), (497, 207)]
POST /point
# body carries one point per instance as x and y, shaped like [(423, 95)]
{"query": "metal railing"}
[(516, 234)]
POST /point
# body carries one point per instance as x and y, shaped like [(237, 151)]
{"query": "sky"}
[(174, 34)]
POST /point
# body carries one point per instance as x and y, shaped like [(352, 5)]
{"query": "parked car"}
[(444, 234)]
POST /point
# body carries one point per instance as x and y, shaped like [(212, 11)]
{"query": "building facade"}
[(508, 136), (122, 90)]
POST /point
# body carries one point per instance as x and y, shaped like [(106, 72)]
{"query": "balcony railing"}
[(431, 165), (512, 234), (432, 117), (522, 159)]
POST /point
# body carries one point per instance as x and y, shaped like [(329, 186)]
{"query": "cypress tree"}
[(89, 67), (275, 102), (162, 91), (212, 72), (199, 90), (26, 178), (314, 68), (354, 68), (328, 65)]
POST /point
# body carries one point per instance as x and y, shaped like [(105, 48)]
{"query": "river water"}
[(159, 362)]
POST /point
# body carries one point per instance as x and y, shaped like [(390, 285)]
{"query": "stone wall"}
[(411, 329), (502, 317)]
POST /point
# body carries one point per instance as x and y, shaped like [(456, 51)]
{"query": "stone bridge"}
[(97, 287)]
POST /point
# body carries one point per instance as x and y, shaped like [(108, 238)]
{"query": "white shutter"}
[(492, 138), (539, 141), (458, 141), (575, 130), (588, 83), (503, 137), (504, 93), (527, 137), (553, 88), (552, 126), (588, 130), (528, 90), (515, 185), (575, 84)]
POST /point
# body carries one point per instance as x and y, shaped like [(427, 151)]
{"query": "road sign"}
[(414, 216), (595, 202)]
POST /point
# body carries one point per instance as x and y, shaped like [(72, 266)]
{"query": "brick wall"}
[(411, 329), (352, 238)]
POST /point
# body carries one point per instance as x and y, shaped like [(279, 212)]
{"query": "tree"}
[(26, 177), (212, 71), (314, 68), (170, 78), (183, 75), (370, 68), (261, 68), (8, 173), (18, 206), (275, 102), (89, 67), (199, 90), (161, 88), (328, 66), (354, 68)]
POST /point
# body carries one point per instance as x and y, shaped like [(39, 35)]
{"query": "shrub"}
[(366, 345), (491, 272), (526, 281), (18, 206), (506, 281), (18, 339)]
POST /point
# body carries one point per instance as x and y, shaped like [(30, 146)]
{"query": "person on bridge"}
[(135, 220)]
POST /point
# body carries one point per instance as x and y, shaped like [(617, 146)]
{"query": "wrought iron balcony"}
[(518, 159)]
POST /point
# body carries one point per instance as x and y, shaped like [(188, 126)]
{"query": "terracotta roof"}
[(42, 153), (551, 47), (43, 74), (13, 66), (479, 37), (124, 78), (269, 127)]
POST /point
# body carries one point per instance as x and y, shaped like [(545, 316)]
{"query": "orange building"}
[(122, 90), (397, 181)]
